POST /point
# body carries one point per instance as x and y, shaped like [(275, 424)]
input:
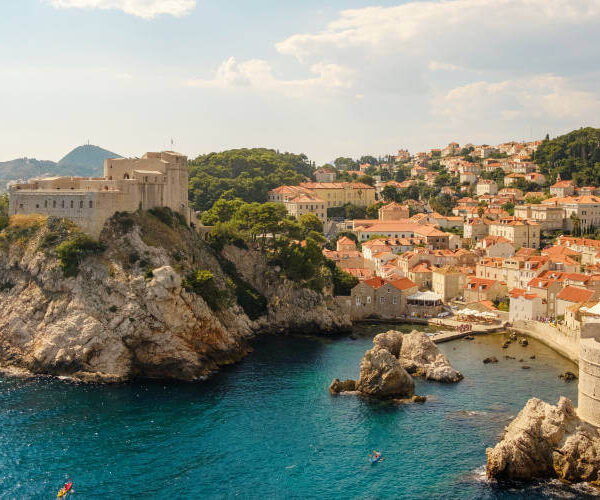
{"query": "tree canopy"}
[(575, 155), (247, 174)]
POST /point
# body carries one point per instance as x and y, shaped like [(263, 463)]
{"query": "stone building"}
[(448, 282), (381, 298), (520, 232), (155, 180)]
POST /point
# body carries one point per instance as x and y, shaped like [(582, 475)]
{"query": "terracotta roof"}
[(403, 284), (478, 283), (575, 294), (375, 282), (519, 292)]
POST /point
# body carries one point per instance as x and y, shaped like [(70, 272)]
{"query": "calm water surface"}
[(268, 428)]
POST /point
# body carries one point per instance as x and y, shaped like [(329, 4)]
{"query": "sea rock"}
[(524, 342), (338, 386), (382, 376), (546, 441), (567, 376), (390, 340), (418, 399), (420, 356), (491, 359)]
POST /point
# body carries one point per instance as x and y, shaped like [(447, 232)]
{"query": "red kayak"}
[(65, 489)]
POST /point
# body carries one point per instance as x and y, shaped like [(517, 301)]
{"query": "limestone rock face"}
[(547, 441), (116, 320), (420, 356), (338, 386), (390, 340), (382, 376), (319, 313)]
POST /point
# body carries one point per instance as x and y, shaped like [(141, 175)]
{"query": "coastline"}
[(551, 337)]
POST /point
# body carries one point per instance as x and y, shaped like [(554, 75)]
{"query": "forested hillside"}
[(248, 174), (575, 155)]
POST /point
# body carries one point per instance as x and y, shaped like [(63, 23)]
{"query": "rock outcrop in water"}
[(547, 441), (381, 376), (128, 311), (421, 357), (385, 369)]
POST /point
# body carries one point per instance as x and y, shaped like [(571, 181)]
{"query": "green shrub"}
[(202, 282), (113, 309), (168, 216), (73, 250)]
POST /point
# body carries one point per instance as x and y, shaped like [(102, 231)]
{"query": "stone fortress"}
[(154, 180), (588, 407)]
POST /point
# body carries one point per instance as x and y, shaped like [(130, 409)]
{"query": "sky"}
[(326, 78)]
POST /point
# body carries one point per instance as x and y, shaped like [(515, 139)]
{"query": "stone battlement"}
[(155, 180)]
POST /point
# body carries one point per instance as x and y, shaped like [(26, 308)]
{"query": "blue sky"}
[(327, 78)]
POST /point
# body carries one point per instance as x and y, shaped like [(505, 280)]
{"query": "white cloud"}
[(442, 66), (257, 74), (541, 96), (146, 9), (423, 25)]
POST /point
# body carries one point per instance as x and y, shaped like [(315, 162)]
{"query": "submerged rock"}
[(338, 386), (546, 441), (491, 359), (420, 356), (382, 376), (568, 376)]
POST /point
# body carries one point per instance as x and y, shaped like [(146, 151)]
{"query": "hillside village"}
[(472, 231)]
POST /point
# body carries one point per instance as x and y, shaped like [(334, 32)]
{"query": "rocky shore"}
[(385, 370), (547, 441), (128, 313)]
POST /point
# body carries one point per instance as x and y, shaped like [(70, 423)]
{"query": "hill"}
[(84, 161), (248, 174), (575, 155), (88, 160)]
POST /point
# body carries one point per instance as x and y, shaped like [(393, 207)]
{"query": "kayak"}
[(65, 489), (375, 458)]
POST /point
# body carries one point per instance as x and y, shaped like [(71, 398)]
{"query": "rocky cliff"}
[(547, 441), (132, 309)]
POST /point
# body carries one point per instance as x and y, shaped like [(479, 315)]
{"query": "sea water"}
[(268, 428)]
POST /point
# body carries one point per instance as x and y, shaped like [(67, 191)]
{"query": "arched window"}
[(126, 176)]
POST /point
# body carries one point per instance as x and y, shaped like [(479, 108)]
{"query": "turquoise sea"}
[(268, 428)]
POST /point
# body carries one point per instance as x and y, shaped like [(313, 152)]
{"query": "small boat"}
[(375, 457), (65, 489)]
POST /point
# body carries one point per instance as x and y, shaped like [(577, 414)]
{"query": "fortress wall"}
[(589, 381)]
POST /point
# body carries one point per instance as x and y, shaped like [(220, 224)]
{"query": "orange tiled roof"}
[(575, 294)]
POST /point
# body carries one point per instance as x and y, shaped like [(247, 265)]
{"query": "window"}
[(72, 203), (382, 300), (81, 204), (54, 204), (37, 205), (46, 204), (63, 204), (395, 300), (368, 300), (91, 204), (358, 301)]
